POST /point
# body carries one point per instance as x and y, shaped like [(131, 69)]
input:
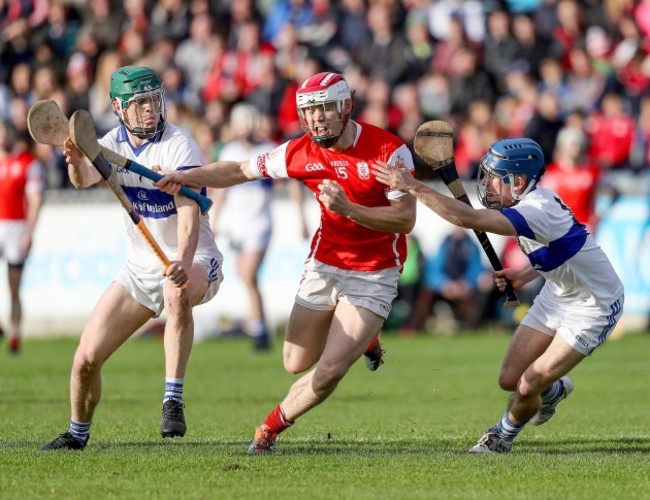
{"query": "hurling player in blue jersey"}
[(582, 298), (142, 288)]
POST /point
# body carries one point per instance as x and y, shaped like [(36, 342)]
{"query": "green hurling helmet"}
[(139, 86)]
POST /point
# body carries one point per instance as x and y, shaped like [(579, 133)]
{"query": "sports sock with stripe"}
[(80, 430), (507, 429), (173, 389), (553, 393)]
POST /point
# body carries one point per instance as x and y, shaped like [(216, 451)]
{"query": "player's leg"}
[(14, 276), (178, 339), (525, 347), (305, 338), (351, 330), (545, 374), (114, 319), (248, 264), (352, 327), (549, 369)]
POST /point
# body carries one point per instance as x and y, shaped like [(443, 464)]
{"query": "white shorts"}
[(146, 285), (322, 286), (11, 232), (582, 325), (253, 236)]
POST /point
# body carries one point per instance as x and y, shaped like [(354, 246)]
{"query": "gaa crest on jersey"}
[(363, 170)]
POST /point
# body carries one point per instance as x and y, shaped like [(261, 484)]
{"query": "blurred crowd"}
[(494, 68), (574, 75)]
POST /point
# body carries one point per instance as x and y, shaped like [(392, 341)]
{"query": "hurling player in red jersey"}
[(22, 182), (357, 253)]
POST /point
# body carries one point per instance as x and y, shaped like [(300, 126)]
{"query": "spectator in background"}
[(611, 132), (22, 183), (170, 19), (296, 12), (500, 47), (106, 23), (474, 136), (640, 151), (100, 103), (446, 50), (435, 95), (386, 54), (352, 26), (470, 82), (531, 48), (573, 176), (195, 55), (546, 122), (569, 30), (585, 86), (78, 78), (456, 275)]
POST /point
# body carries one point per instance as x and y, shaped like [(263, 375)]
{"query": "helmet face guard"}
[(319, 94), (141, 88), (507, 159)]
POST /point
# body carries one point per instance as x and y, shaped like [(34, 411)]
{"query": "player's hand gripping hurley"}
[(434, 144), (82, 133), (48, 125)]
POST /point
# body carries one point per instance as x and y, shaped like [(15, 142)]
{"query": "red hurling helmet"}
[(319, 90)]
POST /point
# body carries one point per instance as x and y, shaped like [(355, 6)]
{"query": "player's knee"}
[(327, 377), (86, 363), (296, 364), (178, 306), (508, 380), (531, 384)]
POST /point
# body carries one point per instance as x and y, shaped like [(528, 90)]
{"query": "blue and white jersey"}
[(250, 202), (173, 149), (562, 251)]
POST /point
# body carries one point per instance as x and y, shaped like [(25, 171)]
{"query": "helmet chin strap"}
[(328, 141)]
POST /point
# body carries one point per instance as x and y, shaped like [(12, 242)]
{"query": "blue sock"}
[(80, 430), (553, 393), (258, 329), (507, 429), (173, 389)]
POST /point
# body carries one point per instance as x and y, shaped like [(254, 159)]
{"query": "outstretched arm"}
[(452, 210), (216, 175)]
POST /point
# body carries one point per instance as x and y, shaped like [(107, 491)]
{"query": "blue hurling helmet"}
[(508, 158)]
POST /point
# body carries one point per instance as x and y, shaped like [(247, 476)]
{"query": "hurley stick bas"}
[(434, 143), (48, 125)]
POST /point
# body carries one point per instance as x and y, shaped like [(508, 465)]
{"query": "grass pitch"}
[(401, 432)]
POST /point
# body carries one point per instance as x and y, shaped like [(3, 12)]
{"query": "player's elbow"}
[(408, 225)]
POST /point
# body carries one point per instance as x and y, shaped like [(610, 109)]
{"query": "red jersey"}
[(20, 173), (339, 241), (577, 187)]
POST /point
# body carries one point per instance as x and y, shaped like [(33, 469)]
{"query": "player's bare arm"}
[(450, 209), (216, 175), (188, 238), (398, 217)]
